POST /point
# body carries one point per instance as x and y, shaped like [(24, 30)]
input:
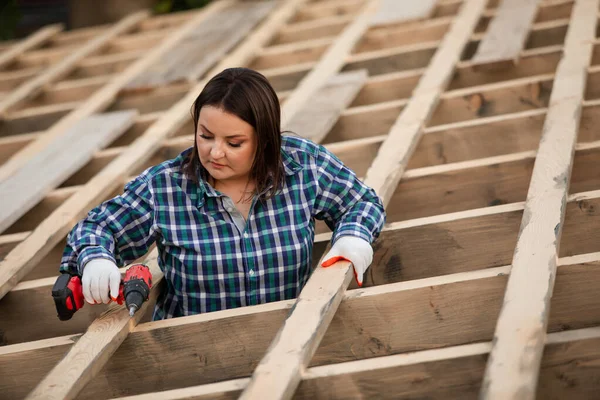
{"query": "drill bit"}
[(132, 310)]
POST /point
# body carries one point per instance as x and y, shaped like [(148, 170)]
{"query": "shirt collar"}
[(290, 166)]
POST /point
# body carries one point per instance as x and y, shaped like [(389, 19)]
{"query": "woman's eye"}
[(203, 136), (235, 144)]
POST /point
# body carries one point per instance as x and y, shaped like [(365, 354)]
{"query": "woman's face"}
[(226, 145)]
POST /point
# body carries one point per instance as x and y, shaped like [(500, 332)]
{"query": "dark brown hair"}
[(248, 95)]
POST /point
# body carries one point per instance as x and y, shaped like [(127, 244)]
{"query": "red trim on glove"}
[(333, 260)]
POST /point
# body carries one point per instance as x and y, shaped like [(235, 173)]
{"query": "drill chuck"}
[(136, 288)]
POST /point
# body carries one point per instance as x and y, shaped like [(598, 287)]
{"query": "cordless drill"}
[(134, 290)]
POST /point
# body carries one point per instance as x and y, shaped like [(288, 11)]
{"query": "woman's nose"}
[(216, 150)]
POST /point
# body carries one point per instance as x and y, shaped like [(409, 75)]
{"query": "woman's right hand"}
[(100, 280)]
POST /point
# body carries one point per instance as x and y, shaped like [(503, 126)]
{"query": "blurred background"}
[(18, 18)]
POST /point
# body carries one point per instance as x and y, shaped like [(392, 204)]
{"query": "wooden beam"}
[(11, 79), (367, 326), (394, 11), (229, 25), (330, 64), (79, 35), (67, 91), (34, 40), (323, 10), (58, 71), (318, 116), (153, 100), (287, 78), (290, 54), (104, 336), (455, 372), (11, 144), (105, 64), (403, 34), (278, 373), (321, 28), (506, 35), (137, 41), (105, 96), (30, 323), (513, 366), (34, 119), (58, 161), (449, 372)]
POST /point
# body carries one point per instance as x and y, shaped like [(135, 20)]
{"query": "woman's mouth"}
[(216, 165)]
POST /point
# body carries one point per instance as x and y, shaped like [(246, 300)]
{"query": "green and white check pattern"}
[(208, 262)]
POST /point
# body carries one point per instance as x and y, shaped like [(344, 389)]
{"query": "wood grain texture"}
[(297, 340), (330, 63), (24, 323), (293, 347), (319, 115), (461, 189), (279, 372), (195, 54), (434, 313), (105, 96), (92, 350), (58, 161), (64, 67), (394, 11), (34, 40), (506, 35), (569, 368), (513, 367), (389, 164)]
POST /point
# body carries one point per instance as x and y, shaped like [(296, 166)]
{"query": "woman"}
[(233, 216)]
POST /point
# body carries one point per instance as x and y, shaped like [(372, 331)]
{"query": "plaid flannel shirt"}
[(209, 263)]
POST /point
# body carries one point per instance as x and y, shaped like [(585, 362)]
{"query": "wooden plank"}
[(33, 87), (455, 372), (513, 367), (87, 357), (369, 325), (278, 373), (12, 79), (318, 116), (105, 96), (330, 64), (452, 372), (34, 40), (506, 35), (402, 254), (395, 11), (58, 161), (195, 54), (320, 28)]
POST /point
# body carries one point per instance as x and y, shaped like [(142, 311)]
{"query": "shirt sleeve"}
[(120, 229), (347, 205)]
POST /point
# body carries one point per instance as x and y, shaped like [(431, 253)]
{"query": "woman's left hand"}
[(354, 249)]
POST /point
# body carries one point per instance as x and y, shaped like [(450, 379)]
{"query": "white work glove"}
[(99, 276), (354, 249)]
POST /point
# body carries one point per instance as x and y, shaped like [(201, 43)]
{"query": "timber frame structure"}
[(474, 120)]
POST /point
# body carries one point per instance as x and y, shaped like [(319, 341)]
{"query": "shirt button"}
[(229, 209), (246, 235), (251, 272)]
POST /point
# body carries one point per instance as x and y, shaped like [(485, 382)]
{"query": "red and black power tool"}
[(134, 290)]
